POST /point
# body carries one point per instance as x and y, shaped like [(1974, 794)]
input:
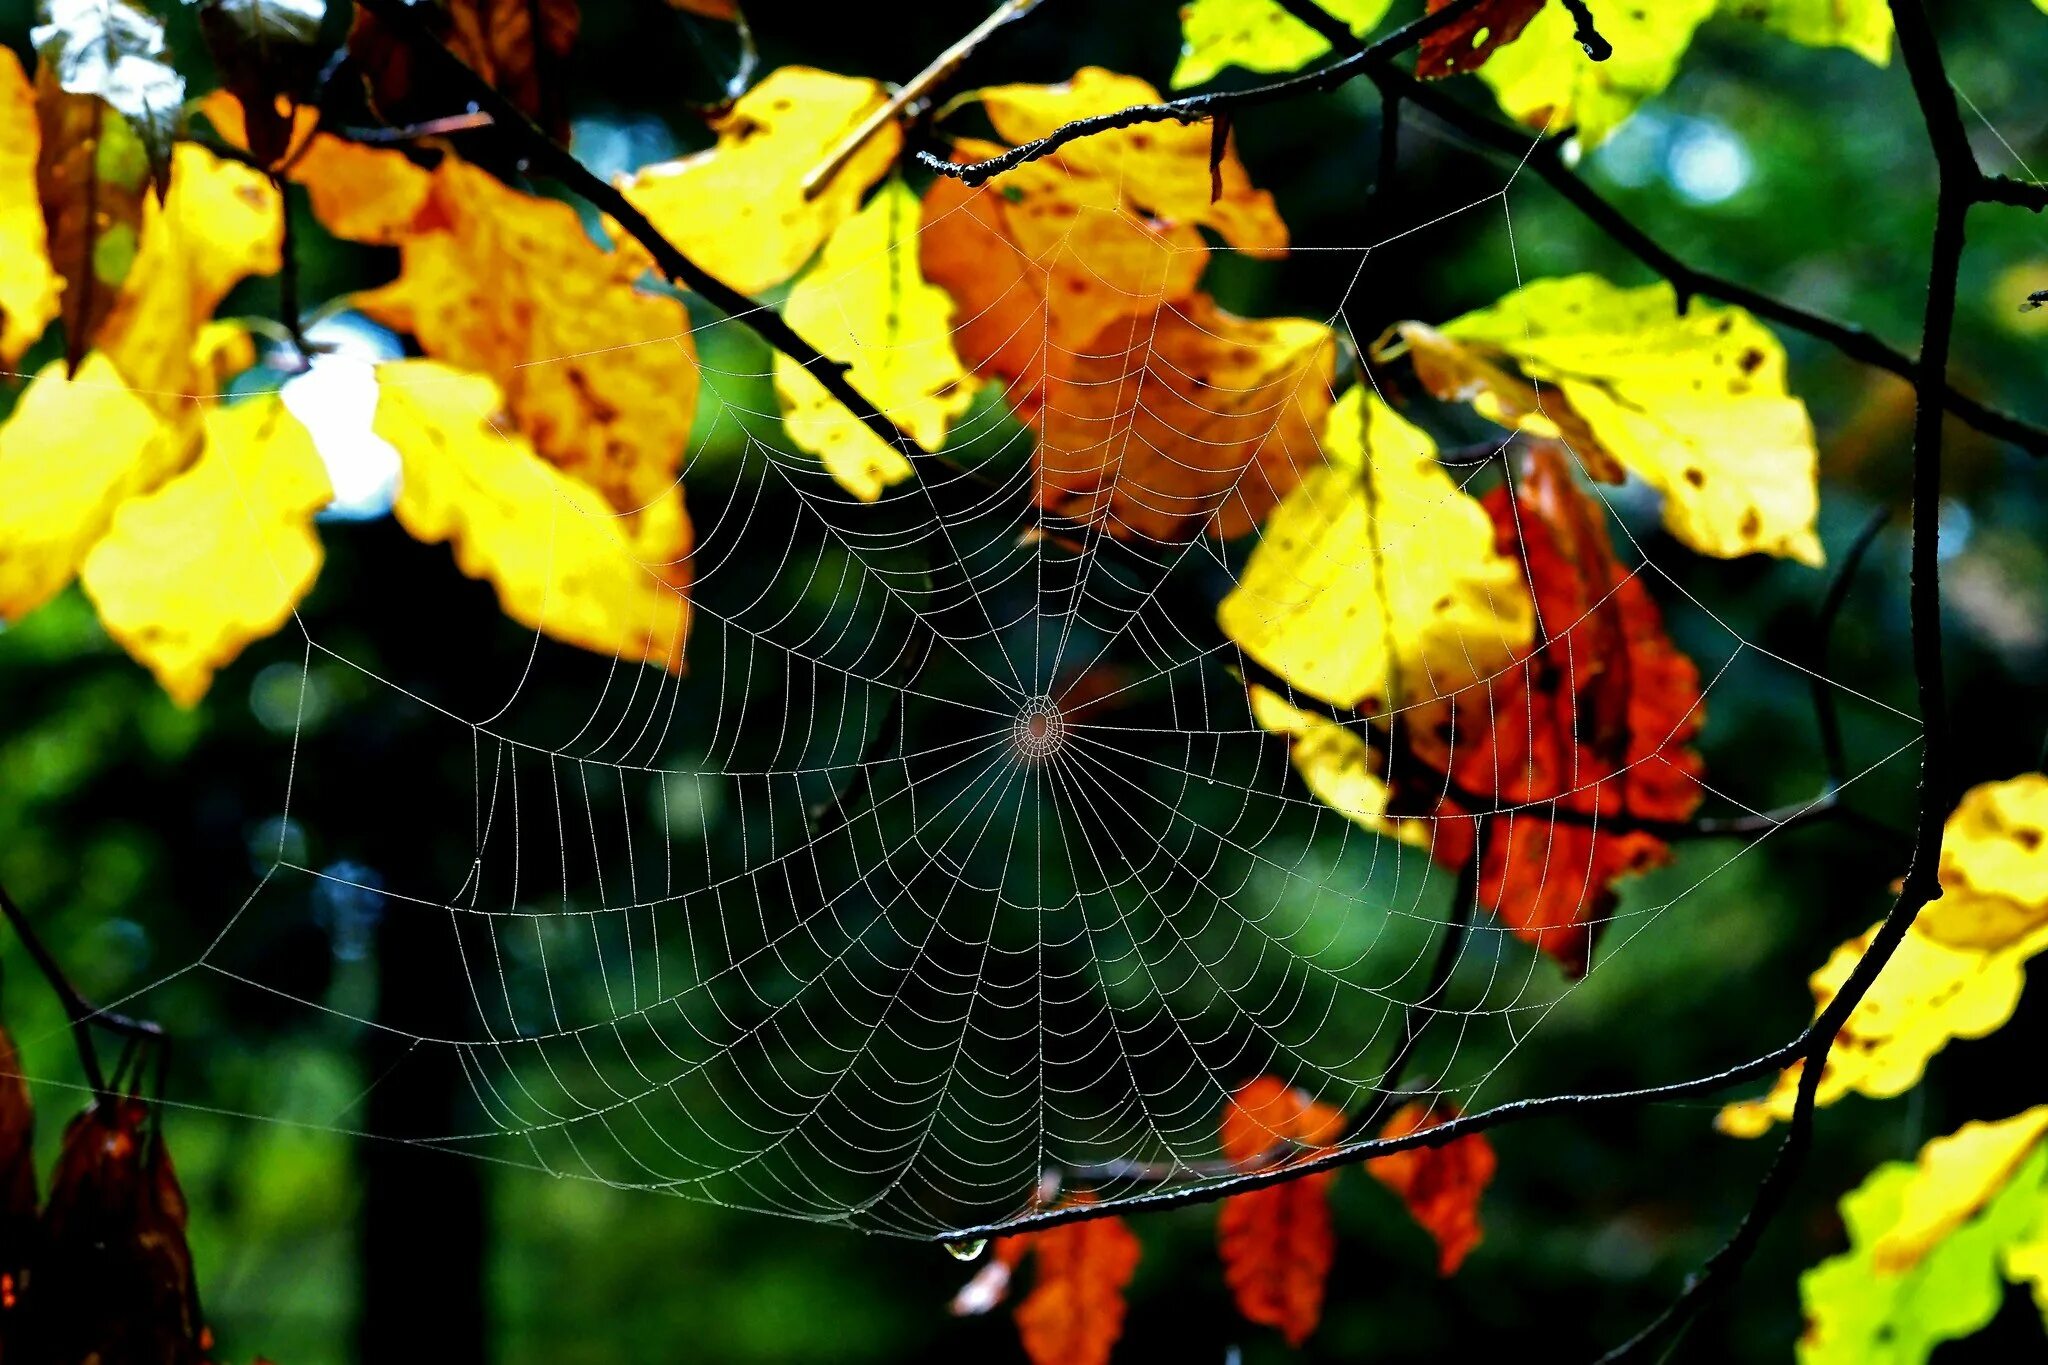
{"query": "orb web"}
[(954, 861)]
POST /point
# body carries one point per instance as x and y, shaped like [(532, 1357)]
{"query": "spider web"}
[(954, 864)]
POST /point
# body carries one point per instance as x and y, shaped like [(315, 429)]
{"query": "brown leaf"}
[(92, 174), (1277, 1243), (1441, 1185), (115, 1282), (1466, 42), (1598, 718), (519, 46), (18, 1230)]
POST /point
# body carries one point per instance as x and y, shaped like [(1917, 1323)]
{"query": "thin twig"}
[(918, 87), (81, 1013), (555, 160)]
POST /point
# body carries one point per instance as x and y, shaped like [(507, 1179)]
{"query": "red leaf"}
[(1597, 719), (1466, 42), (1441, 1185), (1075, 1310), (1277, 1243), (17, 1177)]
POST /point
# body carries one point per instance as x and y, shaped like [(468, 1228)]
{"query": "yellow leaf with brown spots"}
[(865, 304), (219, 556), (738, 209), (601, 375), (1693, 402), (1377, 583), (563, 561), (29, 288), (1957, 973)]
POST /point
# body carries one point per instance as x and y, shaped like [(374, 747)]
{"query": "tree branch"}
[(557, 161), (81, 1012)]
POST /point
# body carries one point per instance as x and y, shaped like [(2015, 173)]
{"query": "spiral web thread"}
[(722, 942)]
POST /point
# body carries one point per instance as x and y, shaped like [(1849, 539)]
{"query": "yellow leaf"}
[(1161, 170), (1956, 1177), (1862, 26), (365, 194), (600, 374), (1258, 35), (865, 303), (1336, 763), (220, 555), (28, 286), (738, 209), (1994, 867), (70, 453), (1693, 402), (1377, 582), (563, 562), (1546, 80), (1957, 973), (218, 226)]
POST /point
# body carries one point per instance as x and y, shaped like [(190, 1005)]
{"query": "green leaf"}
[(1859, 1312)]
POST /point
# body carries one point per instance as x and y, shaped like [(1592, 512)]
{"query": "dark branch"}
[(1588, 36), (553, 159), (1197, 108), (81, 1012)]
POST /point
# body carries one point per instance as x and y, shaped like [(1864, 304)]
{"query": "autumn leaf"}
[(1075, 1310), (563, 561), (185, 605), (1598, 720), (1377, 582), (866, 304), (492, 278), (520, 46), (29, 288), (1465, 43), (374, 195), (1931, 1242), (52, 512), (92, 173), (1441, 1185), (1338, 763), (1862, 26), (18, 1215), (1259, 35), (113, 51), (1957, 973), (115, 1280), (1188, 422), (1691, 400), (219, 226), (761, 229), (1277, 1242), (268, 53)]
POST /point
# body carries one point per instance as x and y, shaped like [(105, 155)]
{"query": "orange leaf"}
[(1596, 719), (1184, 422), (17, 1178), (1277, 1242), (1075, 1310), (1467, 41), (1441, 1185)]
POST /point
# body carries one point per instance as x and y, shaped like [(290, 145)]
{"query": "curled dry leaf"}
[(1441, 1185), (1598, 719), (115, 1280)]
